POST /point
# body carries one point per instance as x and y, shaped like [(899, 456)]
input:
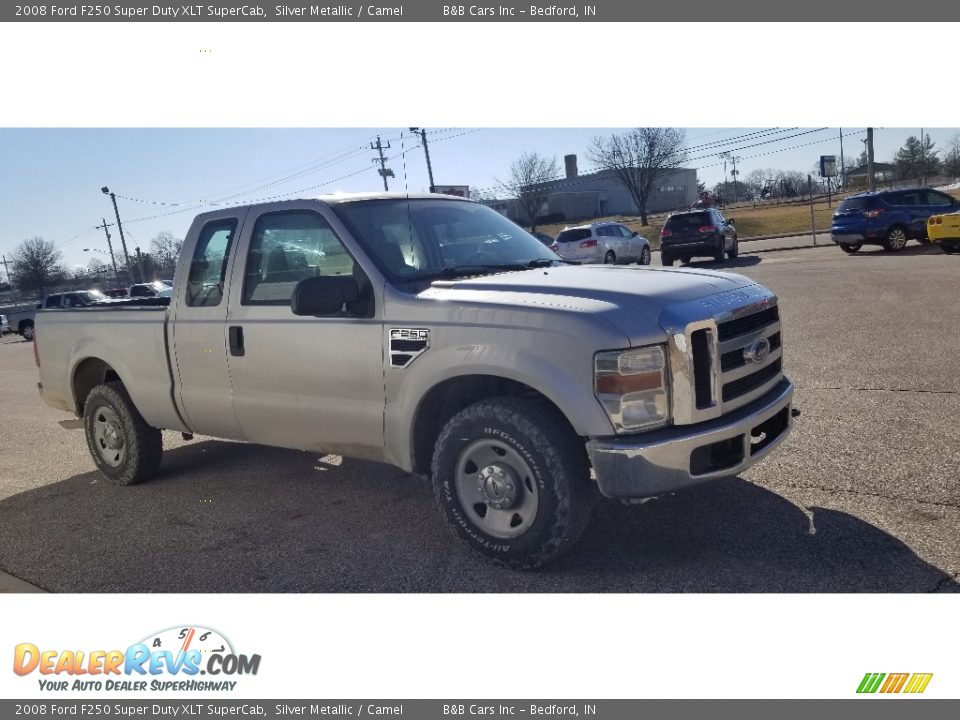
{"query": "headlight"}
[(632, 387)]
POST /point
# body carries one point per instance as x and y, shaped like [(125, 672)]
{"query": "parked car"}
[(148, 289), (78, 298), (700, 232), (603, 242), (4, 325), (888, 217), (21, 319), (544, 238), (510, 378), (945, 231)]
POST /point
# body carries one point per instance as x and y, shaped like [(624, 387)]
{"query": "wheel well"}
[(449, 397), (90, 373)]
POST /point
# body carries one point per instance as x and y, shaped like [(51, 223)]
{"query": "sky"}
[(51, 179)]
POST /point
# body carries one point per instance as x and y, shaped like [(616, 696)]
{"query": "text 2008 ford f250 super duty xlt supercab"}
[(431, 333)]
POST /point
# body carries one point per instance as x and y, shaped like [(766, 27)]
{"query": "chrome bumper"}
[(662, 461)]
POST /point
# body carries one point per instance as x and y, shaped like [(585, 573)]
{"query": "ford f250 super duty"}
[(433, 334)]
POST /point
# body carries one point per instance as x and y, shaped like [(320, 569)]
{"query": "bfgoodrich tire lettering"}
[(540, 437), (122, 445)]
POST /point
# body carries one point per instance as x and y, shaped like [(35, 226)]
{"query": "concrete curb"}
[(11, 584), (783, 235)]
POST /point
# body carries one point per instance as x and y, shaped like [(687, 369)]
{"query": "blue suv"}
[(888, 217)]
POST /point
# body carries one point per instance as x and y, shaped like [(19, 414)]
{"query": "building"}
[(601, 194)]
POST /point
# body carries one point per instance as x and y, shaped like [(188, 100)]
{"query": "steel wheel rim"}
[(28, 333), (898, 238), (108, 437), (496, 489)]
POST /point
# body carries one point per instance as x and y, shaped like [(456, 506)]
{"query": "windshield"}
[(413, 240)]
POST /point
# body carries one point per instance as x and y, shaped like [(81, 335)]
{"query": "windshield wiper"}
[(455, 271)]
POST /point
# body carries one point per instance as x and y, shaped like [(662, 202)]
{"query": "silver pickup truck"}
[(433, 334)]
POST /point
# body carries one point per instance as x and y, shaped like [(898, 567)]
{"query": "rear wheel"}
[(950, 248), (719, 255), (896, 239), (610, 258), (645, 256), (26, 330), (850, 248), (122, 445), (512, 481), (666, 260)]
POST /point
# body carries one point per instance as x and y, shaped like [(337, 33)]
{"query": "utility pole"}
[(870, 177), (10, 279), (123, 241), (843, 169), (426, 150), (384, 171), (110, 246), (734, 159)]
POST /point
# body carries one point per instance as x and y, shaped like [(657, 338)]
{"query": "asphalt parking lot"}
[(864, 496)]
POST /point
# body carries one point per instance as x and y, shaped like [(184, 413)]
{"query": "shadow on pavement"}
[(229, 517), (909, 251), (741, 261)]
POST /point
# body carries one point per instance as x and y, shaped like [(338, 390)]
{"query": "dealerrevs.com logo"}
[(172, 659)]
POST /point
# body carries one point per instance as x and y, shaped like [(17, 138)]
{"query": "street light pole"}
[(123, 241)]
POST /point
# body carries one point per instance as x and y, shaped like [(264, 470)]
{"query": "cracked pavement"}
[(863, 497)]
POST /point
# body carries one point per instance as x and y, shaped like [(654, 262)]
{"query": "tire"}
[(645, 256), (124, 448), (666, 260), (512, 481), (923, 240), (735, 250), (686, 259), (610, 258), (949, 248), (896, 239), (26, 331), (720, 255), (850, 248)]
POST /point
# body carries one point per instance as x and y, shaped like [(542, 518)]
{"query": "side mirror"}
[(322, 295), (635, 234), (729, 221)]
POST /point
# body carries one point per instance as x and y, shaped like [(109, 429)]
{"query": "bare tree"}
[(951, 159), (639, 158), (165, 249), (528, 175), (37, 265)]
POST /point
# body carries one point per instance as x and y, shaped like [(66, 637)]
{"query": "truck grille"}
[(726, 362)]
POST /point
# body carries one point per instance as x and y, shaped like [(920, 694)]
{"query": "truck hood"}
[(633, 299)]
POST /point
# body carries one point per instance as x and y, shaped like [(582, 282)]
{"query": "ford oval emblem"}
[(757, 351)]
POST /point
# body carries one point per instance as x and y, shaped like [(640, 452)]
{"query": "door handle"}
[(235, 335)]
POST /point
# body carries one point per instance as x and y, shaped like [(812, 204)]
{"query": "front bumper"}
[(663, 461)]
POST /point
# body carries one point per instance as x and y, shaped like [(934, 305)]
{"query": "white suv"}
[(602, 242)]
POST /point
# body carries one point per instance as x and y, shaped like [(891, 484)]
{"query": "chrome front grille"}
[(724, 362)]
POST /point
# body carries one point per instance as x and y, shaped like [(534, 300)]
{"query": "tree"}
[(951, 158), (165, 249), (917, 159), (528, 175), (37, 265), (640, 157)]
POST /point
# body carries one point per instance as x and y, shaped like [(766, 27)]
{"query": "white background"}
[(482, 74)]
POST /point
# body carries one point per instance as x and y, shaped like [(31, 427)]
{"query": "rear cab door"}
[(197, 333)]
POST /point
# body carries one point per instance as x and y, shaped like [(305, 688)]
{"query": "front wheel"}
[(122, 445), (735, 248), (512, 481), (26, 331), (645, 256), (719, 255), (850, 248)]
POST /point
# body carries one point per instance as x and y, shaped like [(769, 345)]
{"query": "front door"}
[(311, 383)]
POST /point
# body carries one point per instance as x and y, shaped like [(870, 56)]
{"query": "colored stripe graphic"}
[(918, 683), (894, 682), (870, 682)]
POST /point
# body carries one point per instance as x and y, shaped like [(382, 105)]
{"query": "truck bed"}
[(130, 336)]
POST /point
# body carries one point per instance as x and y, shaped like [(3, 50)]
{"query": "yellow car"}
[(945, 230)]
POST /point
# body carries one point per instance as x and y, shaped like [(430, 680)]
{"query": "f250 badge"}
[(406, 344)]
